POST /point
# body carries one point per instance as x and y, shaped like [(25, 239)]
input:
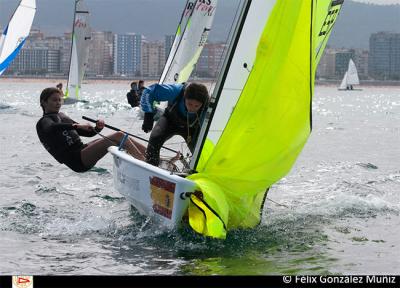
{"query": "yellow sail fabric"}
[(270, 123)]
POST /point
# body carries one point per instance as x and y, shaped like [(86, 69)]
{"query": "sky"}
[(379, 2), (156, 18)]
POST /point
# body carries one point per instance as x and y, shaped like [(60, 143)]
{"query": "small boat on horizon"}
[(350, 78)]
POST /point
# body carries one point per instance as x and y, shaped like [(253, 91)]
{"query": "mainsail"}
[(350, 77), (16, 32), (79, 50), (253, 139), (196, 22)]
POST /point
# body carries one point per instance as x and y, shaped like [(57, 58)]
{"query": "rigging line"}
[(116, 143)]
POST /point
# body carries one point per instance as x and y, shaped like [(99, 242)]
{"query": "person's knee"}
[(119, 134)]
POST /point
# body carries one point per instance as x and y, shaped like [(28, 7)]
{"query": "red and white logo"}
[(22, 281)]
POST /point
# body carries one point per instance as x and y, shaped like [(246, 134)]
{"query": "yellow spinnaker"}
[(270, 124)]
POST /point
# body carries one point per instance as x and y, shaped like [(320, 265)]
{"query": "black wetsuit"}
[(62, 140), (172, 123), (140, 92), (133, 98)]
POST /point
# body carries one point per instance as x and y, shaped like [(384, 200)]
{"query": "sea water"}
[(337, 211)]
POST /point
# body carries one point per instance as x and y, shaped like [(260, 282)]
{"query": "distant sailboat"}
[(16, 32), (79, 53), (350, 78)]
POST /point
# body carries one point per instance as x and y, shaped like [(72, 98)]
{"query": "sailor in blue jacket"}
[(186, 102)]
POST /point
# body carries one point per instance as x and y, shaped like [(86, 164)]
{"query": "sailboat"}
[(241, 150), (79, 53), (16, 32), (350, 78)]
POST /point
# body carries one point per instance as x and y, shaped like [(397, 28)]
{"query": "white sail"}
[(79, 50), (186, 14), (343, 84), (239, 67), (350, 78), (352, 74), (183, 57), (16, 32)]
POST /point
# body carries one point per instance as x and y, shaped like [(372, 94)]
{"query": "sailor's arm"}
[(48, 125), (158, 93), (88, 130)]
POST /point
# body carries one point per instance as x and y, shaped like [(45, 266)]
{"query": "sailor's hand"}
[(148, 122), (99, 125), (86, 126)]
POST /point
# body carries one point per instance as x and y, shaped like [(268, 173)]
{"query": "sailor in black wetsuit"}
[(60, 135), (183, 116)]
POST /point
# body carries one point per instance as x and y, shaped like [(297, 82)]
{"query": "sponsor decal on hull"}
[(162, 194)]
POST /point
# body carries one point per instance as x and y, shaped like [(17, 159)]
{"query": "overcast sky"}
[(379, 2)]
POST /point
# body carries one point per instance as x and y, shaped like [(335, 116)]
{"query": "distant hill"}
[(156, 18), (357, 21)]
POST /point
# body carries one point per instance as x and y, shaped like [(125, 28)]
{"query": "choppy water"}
[(341, 210)]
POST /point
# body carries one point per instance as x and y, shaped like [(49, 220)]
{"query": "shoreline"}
[(367, 83)]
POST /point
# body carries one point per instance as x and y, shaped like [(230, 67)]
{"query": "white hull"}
[(151, 190)]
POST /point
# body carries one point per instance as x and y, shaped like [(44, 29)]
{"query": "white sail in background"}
[(343, 84), (16, 32), (196, 22), (79, 50), (186, 14), (350, 77), (188, 45), (352, 74)]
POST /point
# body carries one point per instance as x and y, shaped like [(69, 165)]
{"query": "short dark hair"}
[(141, 82), (133, 83), (46, 93), (197, 91)]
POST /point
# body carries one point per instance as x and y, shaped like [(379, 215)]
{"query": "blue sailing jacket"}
[(164, 92)]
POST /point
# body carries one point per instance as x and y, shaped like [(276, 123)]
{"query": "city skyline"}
[(50, 56), (355, 23)]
